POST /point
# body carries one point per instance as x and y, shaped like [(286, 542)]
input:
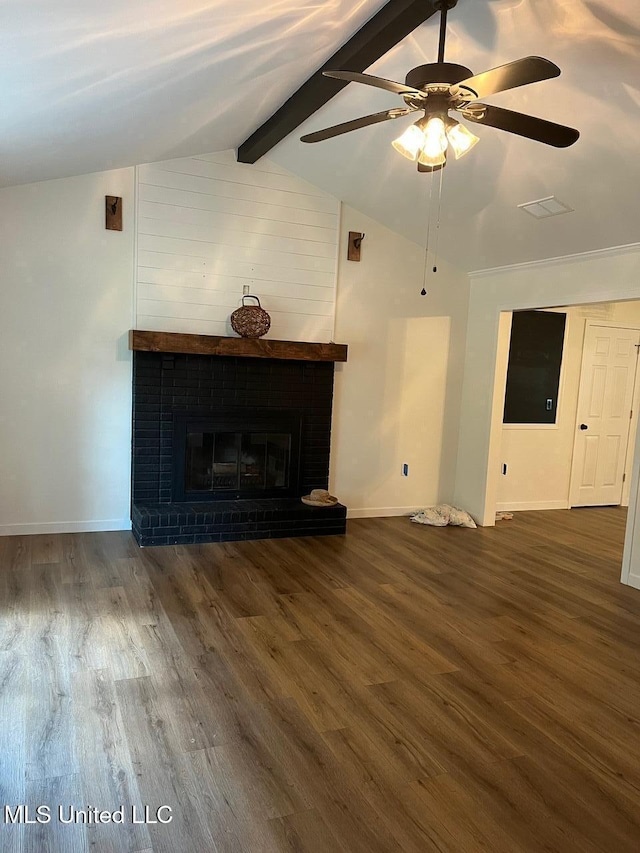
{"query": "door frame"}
[(596, 276), (628, 453), (485, 515)]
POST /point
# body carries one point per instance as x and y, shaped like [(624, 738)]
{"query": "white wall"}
[(66, 303), (397, 398), (611, 275), (539, 458), (208, 225)]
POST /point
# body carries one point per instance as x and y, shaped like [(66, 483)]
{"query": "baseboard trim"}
[(382, 511), (33, 529), (633, 580), (522, 506)]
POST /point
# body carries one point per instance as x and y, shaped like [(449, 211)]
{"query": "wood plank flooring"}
[(402, 688)]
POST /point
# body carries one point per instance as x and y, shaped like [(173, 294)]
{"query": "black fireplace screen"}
[(228, 459), (237, 461)]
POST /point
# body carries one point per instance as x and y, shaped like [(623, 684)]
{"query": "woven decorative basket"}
[(250, 321)]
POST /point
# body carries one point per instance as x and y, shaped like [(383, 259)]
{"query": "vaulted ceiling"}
[(88, 86)]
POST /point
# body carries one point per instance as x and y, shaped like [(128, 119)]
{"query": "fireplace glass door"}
[(237, 461), (227, 461)]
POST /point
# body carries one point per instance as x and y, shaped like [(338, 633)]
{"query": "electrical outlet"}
[(405, 470), (246, 290)]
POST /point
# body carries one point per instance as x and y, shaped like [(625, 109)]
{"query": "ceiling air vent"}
[(545, 207)]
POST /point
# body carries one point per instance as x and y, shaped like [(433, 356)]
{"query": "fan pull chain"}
[(435, 253), (423, 292)]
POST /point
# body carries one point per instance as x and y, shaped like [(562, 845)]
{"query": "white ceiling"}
[(89, 85)]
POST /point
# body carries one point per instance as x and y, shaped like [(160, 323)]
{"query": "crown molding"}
[(612, 251)]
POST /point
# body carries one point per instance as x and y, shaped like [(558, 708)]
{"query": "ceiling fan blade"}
[(523, 125), (378, 82), (531, 69), (355, 124)]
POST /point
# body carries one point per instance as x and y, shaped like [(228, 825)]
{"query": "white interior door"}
[(604, 412)]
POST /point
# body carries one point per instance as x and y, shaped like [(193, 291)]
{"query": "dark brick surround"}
[(167, 384)]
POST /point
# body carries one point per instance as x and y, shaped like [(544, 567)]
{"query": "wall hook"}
[(113, 208), (355, 242)]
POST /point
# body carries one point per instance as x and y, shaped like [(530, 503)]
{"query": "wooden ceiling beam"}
[(396, 20)]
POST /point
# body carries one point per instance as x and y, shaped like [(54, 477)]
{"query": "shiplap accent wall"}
[(207, 225)]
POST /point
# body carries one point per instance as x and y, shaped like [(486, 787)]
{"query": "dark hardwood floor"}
[(402, 688)]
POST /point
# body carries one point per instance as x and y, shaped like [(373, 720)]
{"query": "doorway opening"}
[(570, 445)]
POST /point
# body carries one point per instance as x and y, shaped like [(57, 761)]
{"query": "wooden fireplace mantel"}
[(248, 347)]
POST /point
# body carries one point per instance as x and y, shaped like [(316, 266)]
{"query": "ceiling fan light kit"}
[(428, 139)]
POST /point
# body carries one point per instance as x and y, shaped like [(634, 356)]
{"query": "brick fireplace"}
[(228, 433)]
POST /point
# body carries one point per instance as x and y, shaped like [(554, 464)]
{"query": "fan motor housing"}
[(437, 72)]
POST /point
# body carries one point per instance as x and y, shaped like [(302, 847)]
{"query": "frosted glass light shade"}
[(431, 159), (461, 139), (410, 142), (435, 143)]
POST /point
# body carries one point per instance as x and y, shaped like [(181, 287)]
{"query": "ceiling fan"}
[(440, 87)]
